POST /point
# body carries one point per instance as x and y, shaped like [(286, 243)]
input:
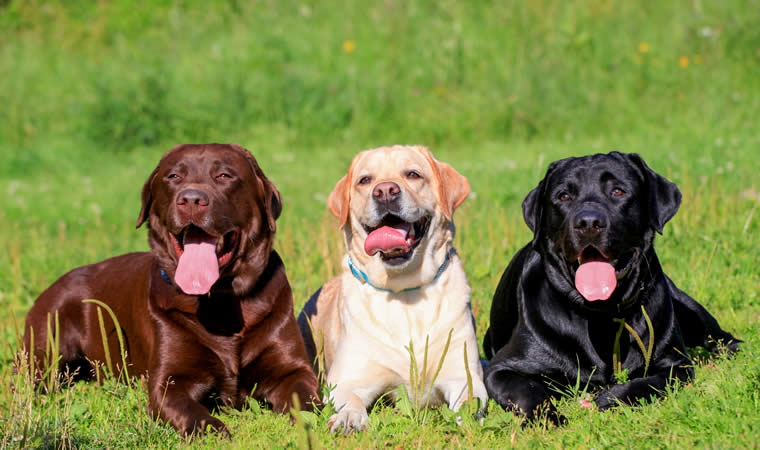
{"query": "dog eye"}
[(563, 197), (365, 180), (224, 175), (173, 176), (617, 192), (413, 175)]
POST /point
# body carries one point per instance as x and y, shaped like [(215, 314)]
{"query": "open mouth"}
[(596, 274), (395, 239), (621, 265), (224, 246)]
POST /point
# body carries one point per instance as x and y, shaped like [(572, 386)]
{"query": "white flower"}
[(706, 32)]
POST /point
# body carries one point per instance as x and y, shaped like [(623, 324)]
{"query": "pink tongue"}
[(198, 267), (595, 280), (387, 239)]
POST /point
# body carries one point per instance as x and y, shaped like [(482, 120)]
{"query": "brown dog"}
[(207, 312)]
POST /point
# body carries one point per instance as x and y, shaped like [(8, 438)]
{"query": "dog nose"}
[(192, 197), (386, 192), (589, 221)]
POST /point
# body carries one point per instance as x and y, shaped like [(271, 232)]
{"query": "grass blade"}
[(650, 348), (440, 365), (104, 337), (119, 335)]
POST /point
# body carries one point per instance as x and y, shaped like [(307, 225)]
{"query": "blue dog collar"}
[(166, 277), (361, 276)]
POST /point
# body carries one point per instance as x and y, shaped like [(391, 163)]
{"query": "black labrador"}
[(578, 302)]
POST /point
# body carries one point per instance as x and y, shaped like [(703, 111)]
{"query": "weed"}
[(415, 403), (319, 359), (124, 371), (646, 351)]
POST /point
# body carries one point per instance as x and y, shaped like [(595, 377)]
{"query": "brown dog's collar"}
[(166, 277)]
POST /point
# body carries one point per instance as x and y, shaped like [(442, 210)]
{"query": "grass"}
[(93, 94)]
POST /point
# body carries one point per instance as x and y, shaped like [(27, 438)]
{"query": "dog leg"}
[(351, 400), (455, 391), (699, 327), (280, 390), (524, 396), (358, 382), (177, 401), (287, 372), (641, 388), (452, 381)]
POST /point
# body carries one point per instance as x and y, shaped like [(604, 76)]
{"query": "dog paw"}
[(606, 399), (349, 420), (206, 426)]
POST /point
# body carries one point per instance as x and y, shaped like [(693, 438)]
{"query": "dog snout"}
[(590, 222), (386, 192), (192, 200)]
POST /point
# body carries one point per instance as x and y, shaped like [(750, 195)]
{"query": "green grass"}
[(92, 96)]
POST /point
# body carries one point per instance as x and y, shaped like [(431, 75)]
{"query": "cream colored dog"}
[(402, 282)]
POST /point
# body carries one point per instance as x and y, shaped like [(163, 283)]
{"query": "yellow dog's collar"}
[(361, 276)]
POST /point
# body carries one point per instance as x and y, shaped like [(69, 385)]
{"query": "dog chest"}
[(393, 320)]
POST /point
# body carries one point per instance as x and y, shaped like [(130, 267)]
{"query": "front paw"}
[(609, 398), (547, 413), (301, 395), (544, 412), (726, 345), (206, 425), (349, 420)]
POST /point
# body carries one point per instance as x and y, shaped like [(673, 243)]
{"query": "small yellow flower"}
[(349, 46), (644, 47), (683, 61), (698, 59)]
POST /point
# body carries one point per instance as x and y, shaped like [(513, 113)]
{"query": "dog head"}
[(594, 220), (211, 212), (395, 207)]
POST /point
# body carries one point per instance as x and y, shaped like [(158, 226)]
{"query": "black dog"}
[(570, 303)]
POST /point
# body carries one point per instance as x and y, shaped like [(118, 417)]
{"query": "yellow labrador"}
[(402, 282)]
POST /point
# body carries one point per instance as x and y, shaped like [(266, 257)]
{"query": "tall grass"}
[(93, 93), (728, 287)]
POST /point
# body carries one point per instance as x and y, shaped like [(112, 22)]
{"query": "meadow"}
[(93, 93)]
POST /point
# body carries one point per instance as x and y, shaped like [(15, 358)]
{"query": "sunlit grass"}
[(93, 93), (705, 250)]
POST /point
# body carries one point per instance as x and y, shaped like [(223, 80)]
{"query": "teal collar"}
[(361, 276)]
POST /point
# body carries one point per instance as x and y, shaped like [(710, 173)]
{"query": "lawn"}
[(94, 93)]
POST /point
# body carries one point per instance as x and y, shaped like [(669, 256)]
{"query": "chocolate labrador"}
[(573, 303), (207, 313)]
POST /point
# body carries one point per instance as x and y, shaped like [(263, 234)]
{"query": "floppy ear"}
[(147, 198), (531, 207), (663, 196), (274, 205), (453, 188), (338, 200), (272, 198)]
